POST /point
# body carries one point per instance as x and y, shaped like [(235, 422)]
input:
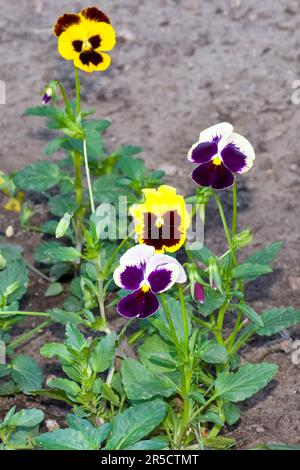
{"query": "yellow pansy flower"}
[(162, 220), (14, 204), (83, 37)]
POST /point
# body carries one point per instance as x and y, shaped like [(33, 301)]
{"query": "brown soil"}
[(187, 64)]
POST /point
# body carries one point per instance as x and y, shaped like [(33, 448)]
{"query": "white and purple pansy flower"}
[(146, 274), (220, 153)]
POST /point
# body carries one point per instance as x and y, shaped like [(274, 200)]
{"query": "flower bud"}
[(63, 225), (2, 261), (199, 293), (49, 92)]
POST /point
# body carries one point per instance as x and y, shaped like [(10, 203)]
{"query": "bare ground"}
[(181, 66)]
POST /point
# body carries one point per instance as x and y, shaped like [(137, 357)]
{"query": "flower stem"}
[(64, 96), (225, 226), (25, 314), (184, 320), (26, 336), (77, 84), (88, 177), (78, 195), (116, 251), (234, 209)]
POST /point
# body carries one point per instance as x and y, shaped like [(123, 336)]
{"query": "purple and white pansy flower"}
[(220, 153), (146, 274)]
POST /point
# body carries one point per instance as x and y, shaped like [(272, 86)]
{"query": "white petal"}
[(223, 130), (157, 260), (139, 254), (244, 146)]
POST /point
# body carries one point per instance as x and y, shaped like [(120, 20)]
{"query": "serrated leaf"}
[(249, 379), (26, 373), (277, 319), (16, 274), (248, 271), (54, 145), (213, 353), (104, 353), (213, 300), (135, 423), (50, 350), (141, 384), (52, 252), (265, 255), (68, 386), (54, 289), (74, 338), (232, 413), (250, 313), (27, 418), (61, 203), (64, 317), (38, 177), (134, 168), (95, 435), (63, 439), (44, 111)]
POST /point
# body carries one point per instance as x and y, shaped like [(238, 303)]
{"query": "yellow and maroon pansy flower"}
[(84, 37), (162, 220)]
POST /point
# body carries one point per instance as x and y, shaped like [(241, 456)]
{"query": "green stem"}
[(171, 324), (234, 209), (226, 229), (26, 336), (88, 176), (25, 314), (64, 95), (184, 320), (116, 251), (78, 195), (77, 84), (220, 322)]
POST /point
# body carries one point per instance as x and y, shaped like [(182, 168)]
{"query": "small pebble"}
[(9, 232), (52, 424)]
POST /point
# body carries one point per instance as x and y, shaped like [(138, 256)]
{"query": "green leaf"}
[(266, 255), (213, 353), (249, 379), (50, 350), (104, 353), (250, 313), (95, 435), (109, 395), (64, 317), (38, 177), (26, 373), (197, 396), (277, 319), (214, 299), (54, 145), (74, 338), (27, 418), (14, 281), (68, 386), (160, 322), (211, 417), (157, 443), (163, 348), (63, 439), (61, 203), (135, 423), (134, 168), (270, 446), (250, 271), (96, 124), (203, 255), (141, 384), (44, 111), (51, 252), (54, 289), (11, 252), (73, 304), (232, 413), (128, 150), (218, 442)]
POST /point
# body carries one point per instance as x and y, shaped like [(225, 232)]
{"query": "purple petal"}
[(131, 277), (234, 159), (163, 277), (46, 98), (139, 304), (216, 176), (203, 152)]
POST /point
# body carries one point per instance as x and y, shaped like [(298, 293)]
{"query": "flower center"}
[(217, 161), (159, 222), (145, 288)]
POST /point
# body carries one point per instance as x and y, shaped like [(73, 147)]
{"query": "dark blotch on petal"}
[(168, 234), (90, 56), (95, 41), (159, 279), (204, 152), (138, 304), (132, 277), (77, 45), (92, 13), (233, 158), (216, 176), (64, 22)]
